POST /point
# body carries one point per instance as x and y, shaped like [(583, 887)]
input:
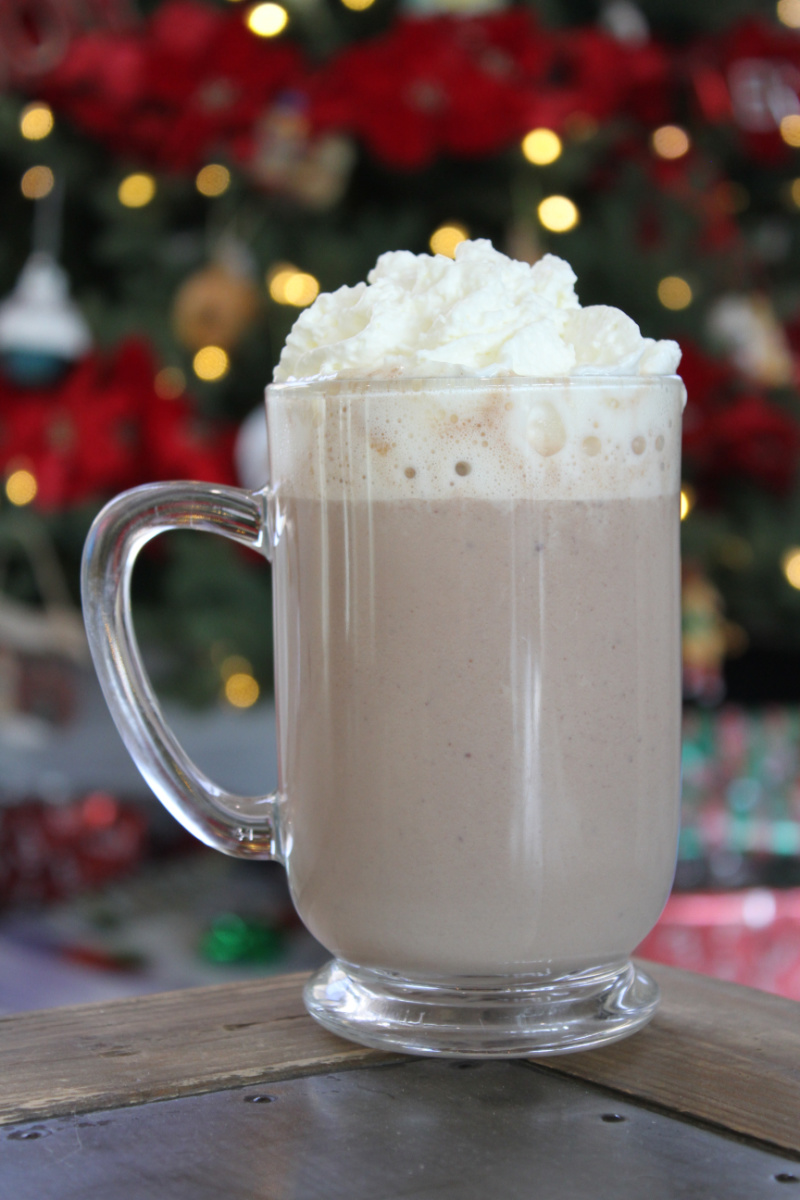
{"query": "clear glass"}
[(477, 649)]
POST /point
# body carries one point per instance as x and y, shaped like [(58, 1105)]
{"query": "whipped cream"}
[(481, 315)]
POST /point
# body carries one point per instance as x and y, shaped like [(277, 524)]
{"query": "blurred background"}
[(179, 178)]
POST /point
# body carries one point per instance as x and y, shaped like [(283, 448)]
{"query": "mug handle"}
[(242, 826)]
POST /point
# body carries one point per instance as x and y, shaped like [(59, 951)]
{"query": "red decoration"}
[(48, 852), (733, 433), (190, 82), (104, 428)]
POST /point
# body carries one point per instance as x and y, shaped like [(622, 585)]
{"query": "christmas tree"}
[(178, 182)]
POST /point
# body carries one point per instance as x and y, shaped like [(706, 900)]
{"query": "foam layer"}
[(480, 315), (505, 439)]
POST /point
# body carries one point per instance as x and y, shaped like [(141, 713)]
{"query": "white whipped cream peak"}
[(481, 315)]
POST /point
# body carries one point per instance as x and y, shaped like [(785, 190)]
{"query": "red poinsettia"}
[(466, 87), (190, 80), (103, 428), (730, 433)]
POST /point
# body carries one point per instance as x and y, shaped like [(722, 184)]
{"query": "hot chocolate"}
[(478, 679)]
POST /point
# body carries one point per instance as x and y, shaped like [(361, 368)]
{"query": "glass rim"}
[(431, 383)]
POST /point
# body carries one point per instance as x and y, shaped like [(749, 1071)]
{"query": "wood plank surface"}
[(726, 1054), (93, 1056), (716, 1052)]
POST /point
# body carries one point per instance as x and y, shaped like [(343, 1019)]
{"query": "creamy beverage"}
[(478, 689), (472, 515)]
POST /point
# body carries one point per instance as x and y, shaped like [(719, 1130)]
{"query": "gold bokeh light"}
[(358, 5), (790, 129), (137, 190), (674, 293), (211, 363), (558, 214), (288, 285), (445, 239), (241, 689), (687, 501), (36, 121), (788, 12), (213, 180), (36, 183), (541, 147), (21, 487), (267, 20), (790, 565), (670, 141)]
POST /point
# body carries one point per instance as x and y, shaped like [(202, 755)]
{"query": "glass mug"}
[(476, 620)]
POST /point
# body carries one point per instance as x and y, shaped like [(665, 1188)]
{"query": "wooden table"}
[(233, 1092)]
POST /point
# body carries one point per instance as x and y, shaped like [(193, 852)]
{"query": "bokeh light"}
[(541, 146), (213, 180), (288, 285), (267, 20), (36, 121), (445, 239), (670, 141), (136, 190), (674, 293), (21, 487), (241, 689), (790, 129), (169, 383), (558, 214), (36, 183), (211, 363), (687, 500), (790, 564), (358, 5), (788, 12)]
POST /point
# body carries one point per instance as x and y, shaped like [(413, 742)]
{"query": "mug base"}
[(513, 1017)]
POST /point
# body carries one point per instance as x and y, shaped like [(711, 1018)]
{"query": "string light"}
[(790, 564), (136, 190), (789, 13), (21, 487), (169, 383), (211, 363), (674, 293), (240, 685), (790, 129), (267, 20), (36, 121), (445, 239), (687, 501), (541, 147), (358, 5), (213, 180), (288, 285), (36, 183), (670, 141), (558, 214)]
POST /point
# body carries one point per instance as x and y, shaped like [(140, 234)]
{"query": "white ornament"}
[(39, 314)]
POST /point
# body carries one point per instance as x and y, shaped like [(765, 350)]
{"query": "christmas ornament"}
[(703, 636), (41, 328), (753, 338), (217, 304), (312, 169), (250, 453)]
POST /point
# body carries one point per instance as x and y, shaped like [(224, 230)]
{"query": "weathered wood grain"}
[(92, 1056), (725, 1054), (715, 1052)]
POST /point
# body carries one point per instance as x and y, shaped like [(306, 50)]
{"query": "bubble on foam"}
[(546, 431), (314, 443), (639, 445)]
